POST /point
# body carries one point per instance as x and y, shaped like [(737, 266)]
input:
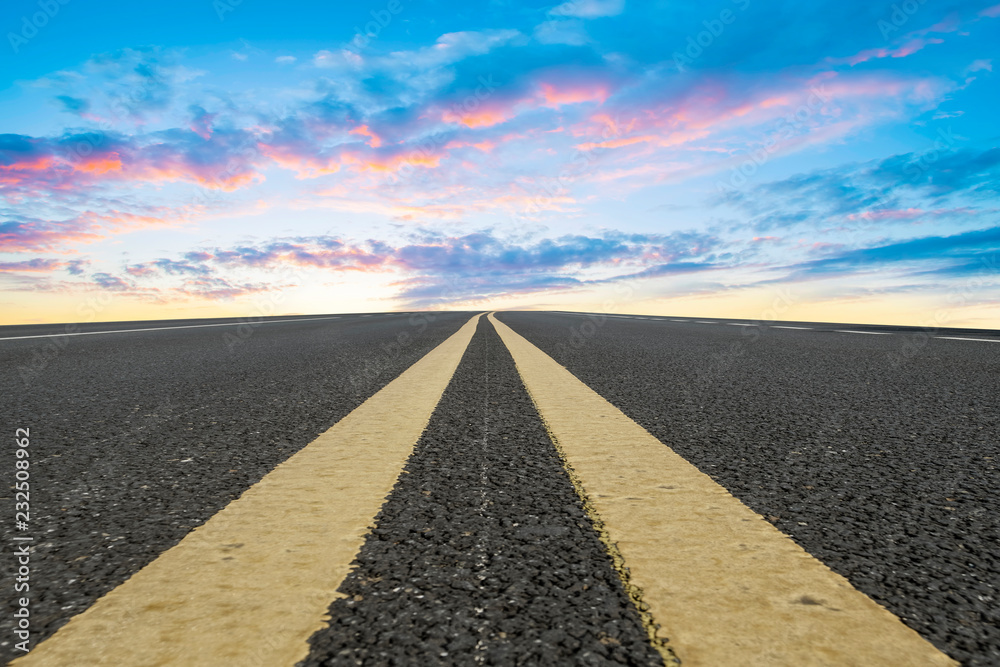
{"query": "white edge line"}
[(777, 326), (186, 326), (867, 333), (981, 340), (741, 324)]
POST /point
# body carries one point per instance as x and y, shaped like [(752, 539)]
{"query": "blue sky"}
[(741, 158)]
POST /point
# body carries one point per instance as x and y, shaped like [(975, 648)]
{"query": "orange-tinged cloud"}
[(479, 118), (485, 146), (554, 97), (56, 172), (304, 166), (393, 163), (101, 165), (373, 139), (617, 143)]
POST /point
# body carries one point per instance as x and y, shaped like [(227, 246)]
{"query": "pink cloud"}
[(30, 165), (888, 214), (43, 236), (909, 48), (304, 166), (617, 143), (37, 265), (479, 117), (393, 162), (554, 96), (991, 12), (373, 139)]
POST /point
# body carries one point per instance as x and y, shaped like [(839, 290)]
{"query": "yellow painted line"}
[(725, 586), (252, 584)]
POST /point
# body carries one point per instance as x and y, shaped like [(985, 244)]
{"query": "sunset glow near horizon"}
[(827, 161)]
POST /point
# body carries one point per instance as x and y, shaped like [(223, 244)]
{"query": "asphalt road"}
[(877, 452), (875, 448), (136, 438), (483, 553)]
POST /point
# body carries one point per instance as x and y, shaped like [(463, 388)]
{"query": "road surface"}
[(477, 538)]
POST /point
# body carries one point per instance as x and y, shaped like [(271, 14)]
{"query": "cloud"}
[(128, 84), (569, 32), (876, 191), (968, 253), (170, 267), (991, 12), (906, 49), (111, 283), (589, 9), (218, 289), (216, 159), (21, 234), (433, 268), (74, 105), (37, 265)]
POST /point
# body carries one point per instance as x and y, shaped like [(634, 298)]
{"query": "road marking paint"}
[(185, 326), (742, 324), (981, 340), (705, 322), (253, 583), (867, 333), (776, 326), (726, 587), (679, 320)]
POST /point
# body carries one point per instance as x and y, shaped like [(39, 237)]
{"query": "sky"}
[(768, 160)]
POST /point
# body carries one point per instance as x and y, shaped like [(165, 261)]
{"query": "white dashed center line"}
[(868, 333)]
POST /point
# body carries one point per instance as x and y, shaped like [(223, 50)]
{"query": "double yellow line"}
[(716, 584)]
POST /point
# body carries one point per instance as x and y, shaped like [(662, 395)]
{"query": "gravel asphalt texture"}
[(878, 454), (483, 553), (137, 438)]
